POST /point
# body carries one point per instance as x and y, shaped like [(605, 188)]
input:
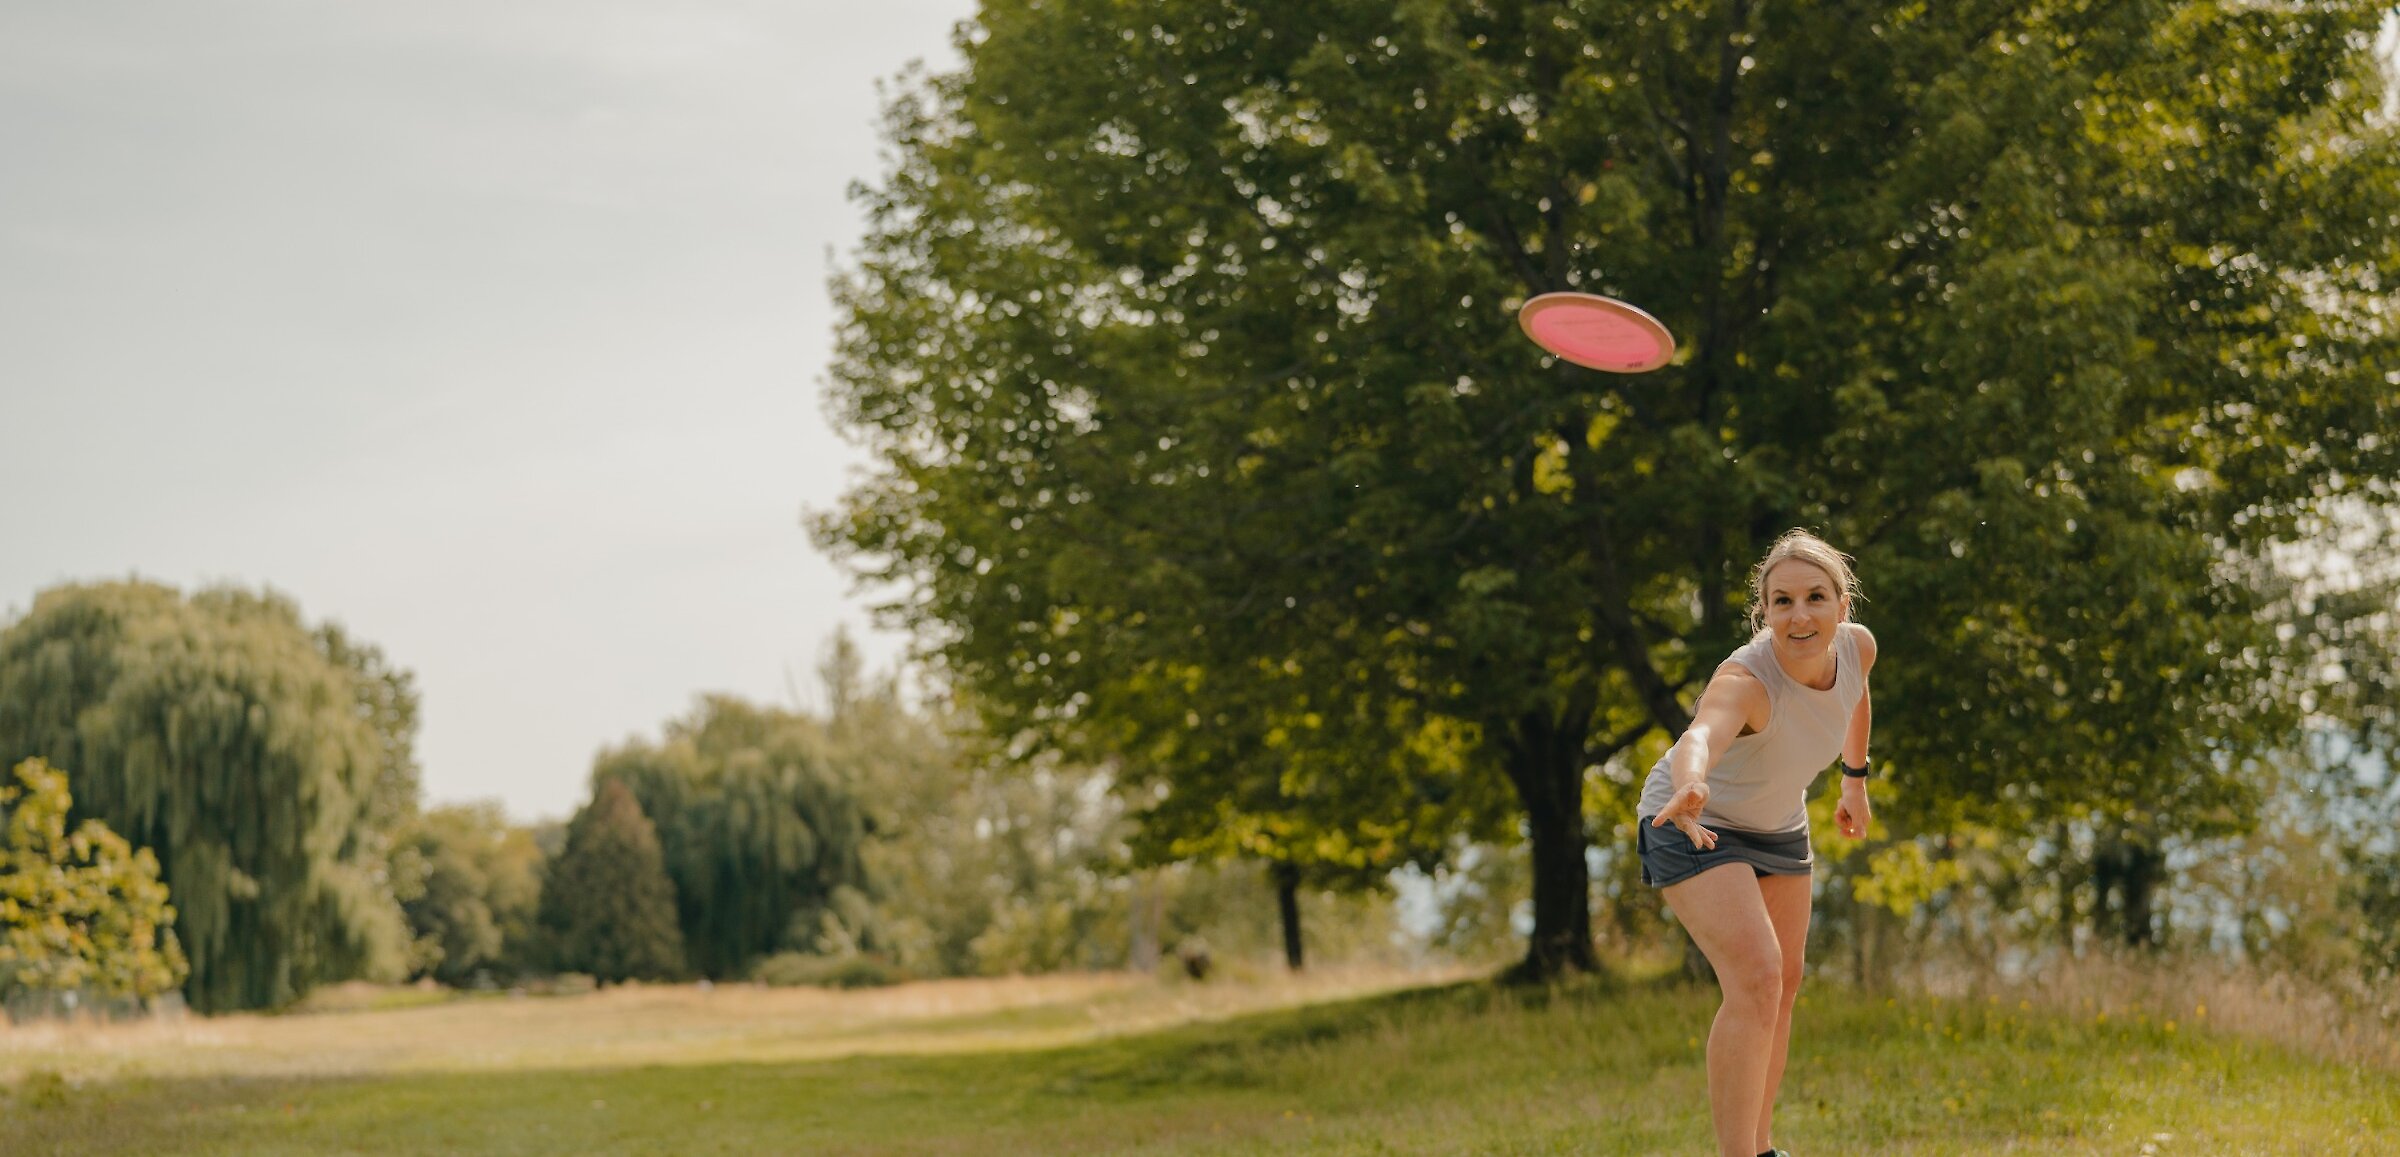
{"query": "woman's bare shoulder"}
[(1866, 646), (1737, 686)]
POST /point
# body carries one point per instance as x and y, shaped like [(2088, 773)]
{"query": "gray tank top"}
[(1761, 782)]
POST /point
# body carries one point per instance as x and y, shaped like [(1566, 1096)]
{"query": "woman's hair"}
[(1800, 544)]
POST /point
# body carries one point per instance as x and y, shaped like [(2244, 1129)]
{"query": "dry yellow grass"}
[(2316, 1020), (679, 1024)]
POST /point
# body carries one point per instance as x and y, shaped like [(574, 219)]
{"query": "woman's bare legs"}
[(1787, 901), (1725, 910)]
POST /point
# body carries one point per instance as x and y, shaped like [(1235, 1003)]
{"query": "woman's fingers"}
[(1700, 837), (1683, 810)]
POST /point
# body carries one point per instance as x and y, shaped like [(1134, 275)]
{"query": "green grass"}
[(1463, 1068)]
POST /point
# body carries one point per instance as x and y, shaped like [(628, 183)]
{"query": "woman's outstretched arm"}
[(1734, 699)]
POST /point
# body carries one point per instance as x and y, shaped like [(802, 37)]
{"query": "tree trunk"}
[(1287, 898), (1562, 901), (1141, 955), (1545, 765), (2068, 883), (2126, 871)]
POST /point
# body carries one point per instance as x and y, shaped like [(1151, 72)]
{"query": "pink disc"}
[(1597, 332)]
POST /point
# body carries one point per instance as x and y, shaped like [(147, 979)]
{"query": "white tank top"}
[(1761, 782)]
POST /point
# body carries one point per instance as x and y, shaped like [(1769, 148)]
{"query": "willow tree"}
[(219, 732), (1195, 319), (761, 829)]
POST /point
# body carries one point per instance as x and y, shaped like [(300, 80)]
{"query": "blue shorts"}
[(1669, 858)]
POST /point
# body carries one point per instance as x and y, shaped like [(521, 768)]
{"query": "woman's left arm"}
[(1853, 814)]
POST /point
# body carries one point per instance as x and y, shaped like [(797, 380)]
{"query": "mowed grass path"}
[(1102, 1065)]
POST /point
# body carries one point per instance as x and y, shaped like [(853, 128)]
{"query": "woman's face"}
[(1803, 607)]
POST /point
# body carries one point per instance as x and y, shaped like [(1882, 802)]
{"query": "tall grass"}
[(2308, 1017)]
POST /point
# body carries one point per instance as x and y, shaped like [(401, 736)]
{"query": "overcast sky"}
[(491, 330)]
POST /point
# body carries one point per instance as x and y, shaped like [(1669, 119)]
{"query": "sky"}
[(494, 332)]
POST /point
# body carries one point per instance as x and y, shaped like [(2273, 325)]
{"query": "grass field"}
[(1342, 1062)]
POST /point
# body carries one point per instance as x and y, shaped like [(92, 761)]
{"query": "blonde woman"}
[(1724, 818)]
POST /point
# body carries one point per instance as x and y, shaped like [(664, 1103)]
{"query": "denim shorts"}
[(1669, 858)]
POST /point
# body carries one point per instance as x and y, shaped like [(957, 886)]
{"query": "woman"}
[(1724, 827)]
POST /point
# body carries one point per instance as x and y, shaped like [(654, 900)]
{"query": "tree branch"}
[(1607, 749)]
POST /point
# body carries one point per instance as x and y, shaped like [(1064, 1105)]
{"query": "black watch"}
[(1859, 772)]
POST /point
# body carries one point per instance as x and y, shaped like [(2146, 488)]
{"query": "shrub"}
[(84, 918)]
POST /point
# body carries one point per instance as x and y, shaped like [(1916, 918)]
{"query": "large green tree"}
[(761, 830), (608, 904), (1184, 333), (244, 748)]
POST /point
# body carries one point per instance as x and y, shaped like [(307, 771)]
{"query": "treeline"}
[(874, 840), (240, 789)]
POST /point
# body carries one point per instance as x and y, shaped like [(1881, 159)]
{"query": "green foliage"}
[(471, 886), (1340, 793), (2372, 886), (608, 904), (989, 859), (987, 863), (1476, 901), (387, 700), (761, 828), (1028, 866), (1184, 335), (255, 756), (956, 835), (2363, 791), (82, 912)]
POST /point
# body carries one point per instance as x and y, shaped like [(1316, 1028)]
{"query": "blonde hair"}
[(1808, 548)]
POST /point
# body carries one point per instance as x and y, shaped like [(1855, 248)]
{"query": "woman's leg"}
[(1787, 900), (1726, 914)]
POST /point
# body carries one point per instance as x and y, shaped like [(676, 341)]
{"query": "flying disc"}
[(1597, 332)]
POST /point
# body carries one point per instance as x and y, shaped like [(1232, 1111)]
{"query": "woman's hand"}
[(1683, 810), (1853, 814)]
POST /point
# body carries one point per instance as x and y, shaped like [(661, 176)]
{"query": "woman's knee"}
[(1755, 980)]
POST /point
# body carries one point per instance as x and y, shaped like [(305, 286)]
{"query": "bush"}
[(85, 925), (801, 969)]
